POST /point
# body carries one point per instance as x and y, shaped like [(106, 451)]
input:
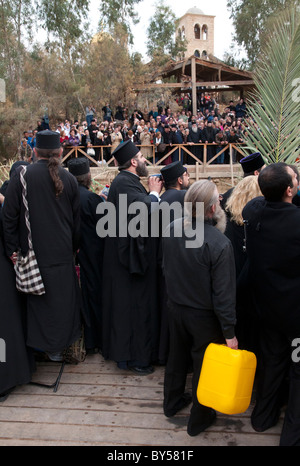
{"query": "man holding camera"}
[(130, 302)]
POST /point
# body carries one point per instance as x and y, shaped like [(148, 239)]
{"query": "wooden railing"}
[(74, 151)]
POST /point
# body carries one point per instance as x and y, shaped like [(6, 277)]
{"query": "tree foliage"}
[(250, 18), (50, 62), (161, 41), (119, 12)]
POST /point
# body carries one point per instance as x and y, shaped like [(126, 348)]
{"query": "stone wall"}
[(222, 175)]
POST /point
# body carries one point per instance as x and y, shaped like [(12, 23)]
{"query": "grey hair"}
[(203, 191)]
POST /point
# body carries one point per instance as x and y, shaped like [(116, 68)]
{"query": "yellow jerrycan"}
[(226, 379)]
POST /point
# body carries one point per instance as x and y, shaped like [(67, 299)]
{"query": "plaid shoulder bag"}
[(28, 276)]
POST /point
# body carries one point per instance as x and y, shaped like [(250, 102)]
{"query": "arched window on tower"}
[(183, 33), (204, 54), (204, 32), (197, 31), (179, 33), (197, 53)]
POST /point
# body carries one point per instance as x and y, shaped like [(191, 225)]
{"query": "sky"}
[(146, 8)]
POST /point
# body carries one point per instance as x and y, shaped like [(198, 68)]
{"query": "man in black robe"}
[(16, 361), (176, 182), (194, 137), (273, 248), (90, 255), (53, 319), (130, 290)]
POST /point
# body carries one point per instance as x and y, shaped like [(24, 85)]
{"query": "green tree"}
[(250, 19), (14, 25), (119, 12), (108, 72), (162, 43)]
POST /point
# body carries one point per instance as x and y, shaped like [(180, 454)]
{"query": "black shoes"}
[(3, 396), (195, 428), (185, 400), (142, 370)]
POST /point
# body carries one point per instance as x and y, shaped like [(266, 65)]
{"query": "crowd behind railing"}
[(209, 137)]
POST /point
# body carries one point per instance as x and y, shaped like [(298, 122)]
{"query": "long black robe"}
[(247, 327), (130, 289), (16, 363), (169, 196), (90, 258), (53, 319), (273, 248)]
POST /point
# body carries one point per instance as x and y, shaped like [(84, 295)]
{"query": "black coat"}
[(169, 196), (273, 249), (206, 275), (130, 289), (53, 319), (247, 327), (90, 258), (16, 365), (194, 136), (173, 195)]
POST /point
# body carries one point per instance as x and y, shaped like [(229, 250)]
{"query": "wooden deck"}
[(97, 404)]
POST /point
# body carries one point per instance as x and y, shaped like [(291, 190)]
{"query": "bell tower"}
[(198, 30)]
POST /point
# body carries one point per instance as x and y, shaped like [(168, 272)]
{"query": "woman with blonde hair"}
[(245, 190), (246, 328)]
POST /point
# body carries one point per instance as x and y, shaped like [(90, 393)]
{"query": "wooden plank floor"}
[(97, 404)]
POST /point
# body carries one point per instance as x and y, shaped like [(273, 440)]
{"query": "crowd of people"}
[(145, 300), (156, 131)]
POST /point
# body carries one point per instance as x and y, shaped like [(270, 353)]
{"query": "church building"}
[(198, 30)]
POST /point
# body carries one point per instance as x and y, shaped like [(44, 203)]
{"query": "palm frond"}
[(273, 107)]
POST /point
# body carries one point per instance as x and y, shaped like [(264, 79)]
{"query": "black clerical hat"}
[(252, 162), (79, 166), (172, 171), (125, 151), (47, 140)]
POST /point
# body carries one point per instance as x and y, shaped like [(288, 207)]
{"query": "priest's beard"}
[(220, 219), (141, 169)]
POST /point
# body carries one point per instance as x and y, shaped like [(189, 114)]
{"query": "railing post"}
[(231, 163), (204, 158)]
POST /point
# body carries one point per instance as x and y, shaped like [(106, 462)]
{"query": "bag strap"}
[(25, 202)]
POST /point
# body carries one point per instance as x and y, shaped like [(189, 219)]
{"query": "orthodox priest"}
[(53, 319), (130, 289), (176, 182), (90, 255), (16, 361)]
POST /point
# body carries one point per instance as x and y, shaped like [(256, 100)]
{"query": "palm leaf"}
[(273, 106)]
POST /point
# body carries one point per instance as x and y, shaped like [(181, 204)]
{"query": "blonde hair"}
[(244, 191)]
